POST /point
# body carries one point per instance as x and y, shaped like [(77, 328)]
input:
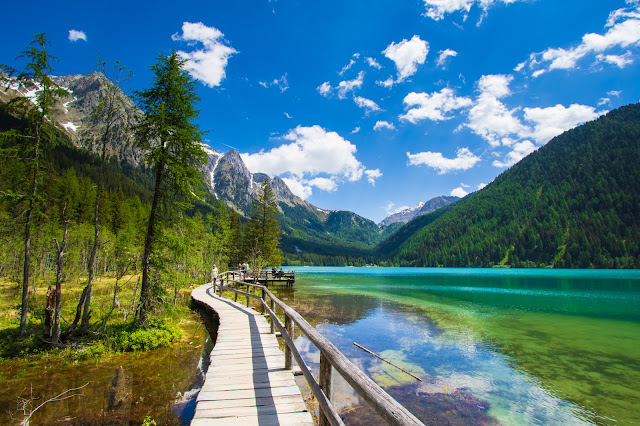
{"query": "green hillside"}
[(574, 203)]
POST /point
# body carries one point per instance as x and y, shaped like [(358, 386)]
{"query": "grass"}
[(166, 324)]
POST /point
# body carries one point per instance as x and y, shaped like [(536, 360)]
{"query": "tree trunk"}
[(27, 237), (56, 325), (49, 310), (144, 288)]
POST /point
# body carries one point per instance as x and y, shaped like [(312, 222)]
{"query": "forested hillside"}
[(575, 203)]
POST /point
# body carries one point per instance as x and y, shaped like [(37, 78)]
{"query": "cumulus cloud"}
[(343, 88), (464, 160), (620, 61), (443, 55), (324, 89), (492, 120), (459, 192), (552, 121), (310, 157), (519, 151), (381, 124), (436, 9), (407, 55), (347, 86), (373, 63), (367, 104), (489, 117), (208, 63), (75, 35), (434, 106), (372, 175), (622, 32), (325, 184), (481, 185)]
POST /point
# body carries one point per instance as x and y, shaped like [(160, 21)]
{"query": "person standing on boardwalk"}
[(214, 274)]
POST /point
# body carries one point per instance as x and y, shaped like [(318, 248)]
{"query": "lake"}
[(490, 345)]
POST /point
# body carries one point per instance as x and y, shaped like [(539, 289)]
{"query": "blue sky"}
[(368, 106)]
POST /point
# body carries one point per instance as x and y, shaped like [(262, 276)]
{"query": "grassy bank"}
[(111, 328)]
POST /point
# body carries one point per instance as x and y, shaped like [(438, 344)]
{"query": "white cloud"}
[(620, 61), (286, 114), (459, 192), (444, 54), (464, 160), (356, 130), (281, 83), (604, 101), (311, 157), (347, 67), (373, 63), (372, 175), (324, 89), (432, 106), (489, 117), (436, 9), (324, 184), (614, 93), (343, 88), (391, 208), (623, 31), (552, 121), (407, 55), (367, 104), (298, 187), (207, 64), (347, 86), (380, 124), (481, 185), (519, 151), (75, 35)]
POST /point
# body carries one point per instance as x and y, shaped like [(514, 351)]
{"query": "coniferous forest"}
[(574, 203)]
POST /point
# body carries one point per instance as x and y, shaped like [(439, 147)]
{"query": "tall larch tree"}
[(172, 145), (263, 232), (36, 111), (110, 113)]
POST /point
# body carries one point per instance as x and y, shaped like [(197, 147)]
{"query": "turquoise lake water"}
[(492, 346)]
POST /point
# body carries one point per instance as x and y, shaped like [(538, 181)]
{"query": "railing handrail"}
[(384, 404)]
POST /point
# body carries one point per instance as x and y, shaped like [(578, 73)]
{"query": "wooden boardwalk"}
[(246, 383)]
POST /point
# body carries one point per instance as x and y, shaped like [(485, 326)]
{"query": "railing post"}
[(325, 384), (248, 293), (288, 354), (235, 295), (273, 321), (262, 307)]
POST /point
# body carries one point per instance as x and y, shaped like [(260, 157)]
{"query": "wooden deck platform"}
[(246, 383)]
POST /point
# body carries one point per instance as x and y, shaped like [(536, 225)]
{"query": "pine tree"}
[(36, 135), (170, 140), (262, 234)]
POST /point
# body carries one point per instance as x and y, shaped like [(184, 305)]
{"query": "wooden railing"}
[(330, 357), (265, 275)]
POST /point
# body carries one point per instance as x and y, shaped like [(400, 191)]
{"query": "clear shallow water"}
[(491, 346)]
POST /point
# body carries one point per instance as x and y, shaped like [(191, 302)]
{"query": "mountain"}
[(574, 203), (419, 209), (306, 227)]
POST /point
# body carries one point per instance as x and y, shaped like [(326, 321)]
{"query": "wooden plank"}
[(246, 402), (248, 393), (292, 407), (294, 419)]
